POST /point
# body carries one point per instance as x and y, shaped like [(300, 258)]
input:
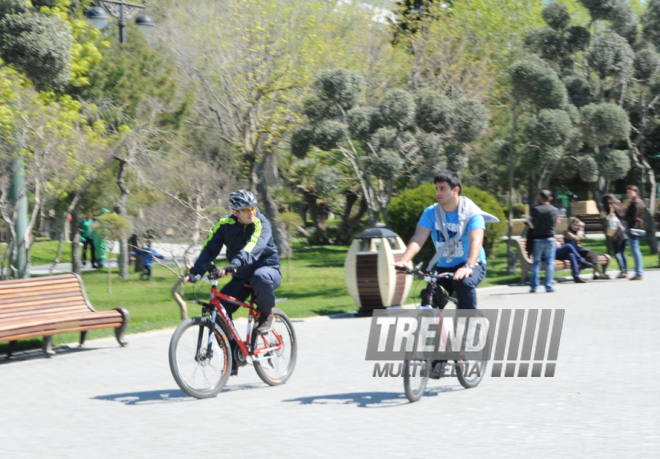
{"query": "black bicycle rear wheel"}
[(415, 377), (199, 373), (275, 367)]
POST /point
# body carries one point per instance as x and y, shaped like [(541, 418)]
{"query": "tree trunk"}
[(76, 266), (120, 208), (348, 223), (511, 257), (280, 233), (319, 216)]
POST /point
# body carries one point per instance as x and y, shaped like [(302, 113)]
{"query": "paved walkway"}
[(104, 401)]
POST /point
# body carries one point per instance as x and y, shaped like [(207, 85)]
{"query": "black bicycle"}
[(416, 373)]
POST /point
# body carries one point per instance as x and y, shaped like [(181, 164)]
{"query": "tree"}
[(111, 227), (405, 135)]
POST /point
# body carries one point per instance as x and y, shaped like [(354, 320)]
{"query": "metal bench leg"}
[(119, 331), (12, 348), (47, 346), (83, 337)]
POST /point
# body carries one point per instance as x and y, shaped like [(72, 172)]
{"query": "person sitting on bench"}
[(573, 235)]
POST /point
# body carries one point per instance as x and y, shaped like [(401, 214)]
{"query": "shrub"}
[(405, 210), (518, 211)]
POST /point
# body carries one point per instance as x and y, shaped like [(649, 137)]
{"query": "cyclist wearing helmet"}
[(251, 252)]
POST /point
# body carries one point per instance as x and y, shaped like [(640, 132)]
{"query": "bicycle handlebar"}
[(422, 274)]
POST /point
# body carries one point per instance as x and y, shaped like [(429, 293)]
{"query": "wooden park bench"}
[(526, 260), (45, 306)]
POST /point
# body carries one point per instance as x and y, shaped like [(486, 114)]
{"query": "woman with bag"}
[(617, 231), (634, 219)]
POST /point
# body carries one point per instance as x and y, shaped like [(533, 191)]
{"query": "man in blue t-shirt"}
[(466, 257)]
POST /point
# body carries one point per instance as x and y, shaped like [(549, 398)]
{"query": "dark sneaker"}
[(234, 369), (579, 280), (266, 325)]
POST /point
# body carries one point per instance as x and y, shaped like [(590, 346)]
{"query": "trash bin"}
[(372, 281)]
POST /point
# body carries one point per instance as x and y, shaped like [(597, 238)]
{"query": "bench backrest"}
[(54, 294)]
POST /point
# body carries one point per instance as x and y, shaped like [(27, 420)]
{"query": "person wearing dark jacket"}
[(634, 219), (148, 253), (544, 220), (252, 255)]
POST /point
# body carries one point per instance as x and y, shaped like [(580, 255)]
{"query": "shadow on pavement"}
[(165, 396), (147, 397), (369, 399)]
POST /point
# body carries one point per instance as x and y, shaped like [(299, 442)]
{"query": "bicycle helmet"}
[(242, 199)]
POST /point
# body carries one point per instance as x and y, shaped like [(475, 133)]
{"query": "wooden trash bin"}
[(372, 281)]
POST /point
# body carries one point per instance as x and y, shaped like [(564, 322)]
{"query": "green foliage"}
[(129, 75), (430, 145), (397, 109), (646, 64), (610, 55), (577, 39), (457, 160), (470, 120), (623, 20), (111, 227), (362, 122), (651, 22), (38, 45), (598, 9), (301, 141), (603, 124), (12, 7), (340, 86), (291, 220), (613, 164), (547, 42), (386, 165), (550, 128), (315, 108), (556, 15), (588, 169), (579, 90), (434, 111), (328, 134), (534, 80)]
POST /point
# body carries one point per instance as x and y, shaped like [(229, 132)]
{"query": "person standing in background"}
[(544, 219), (634, 219), (85, 229)]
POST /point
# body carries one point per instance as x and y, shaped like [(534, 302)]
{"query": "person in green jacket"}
[(85, 229)]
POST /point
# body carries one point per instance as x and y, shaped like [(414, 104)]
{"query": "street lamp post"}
[(98, 17)]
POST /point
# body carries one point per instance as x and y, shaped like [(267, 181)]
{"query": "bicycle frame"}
[(246, 346)]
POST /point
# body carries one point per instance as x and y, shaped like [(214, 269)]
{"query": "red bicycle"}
[(200, 354)]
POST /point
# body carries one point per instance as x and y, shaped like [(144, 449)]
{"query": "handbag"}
[(640, 233)]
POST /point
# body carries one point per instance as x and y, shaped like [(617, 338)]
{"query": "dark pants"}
[(147, 271), (89, 243), (466, 288), (570, 253), (263, 281)]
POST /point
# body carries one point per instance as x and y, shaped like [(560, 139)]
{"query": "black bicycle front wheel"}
[(200, 371), (470, 372), (415, 378), (275, 367)]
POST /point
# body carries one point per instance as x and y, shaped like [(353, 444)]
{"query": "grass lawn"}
[(317, 288)]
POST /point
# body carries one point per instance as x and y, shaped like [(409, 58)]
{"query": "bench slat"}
[(36, 334), (43, 281), (31, 304), (80, 309), (9, 296), (52, 305)]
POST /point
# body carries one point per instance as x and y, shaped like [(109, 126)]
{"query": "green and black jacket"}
[(248, 246)]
